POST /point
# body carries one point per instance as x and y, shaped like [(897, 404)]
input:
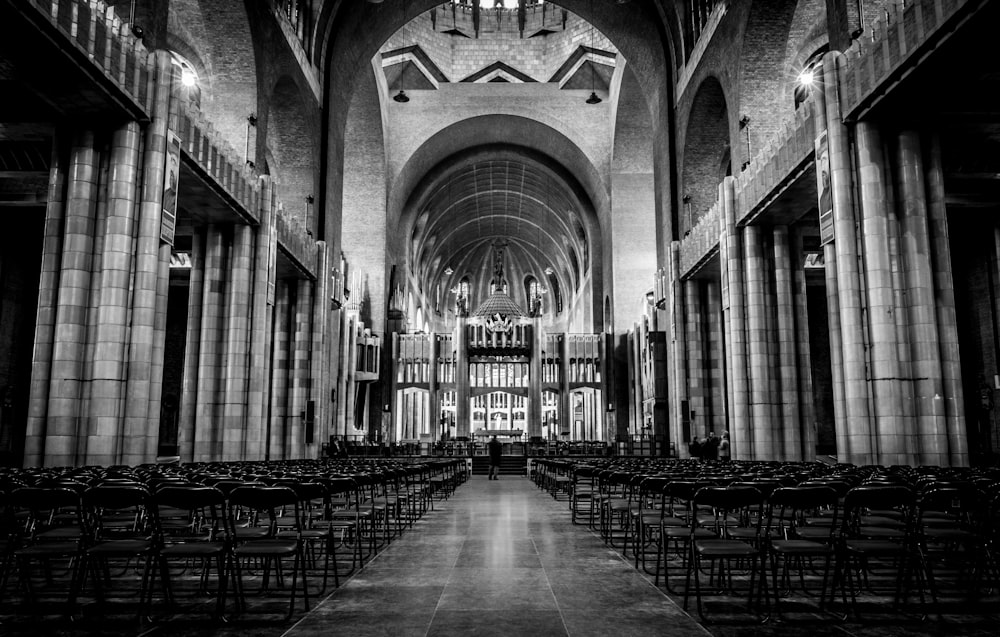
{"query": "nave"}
[(503, 558), (498, 558)]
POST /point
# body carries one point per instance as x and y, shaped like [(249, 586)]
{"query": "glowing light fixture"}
[(188, 78), (807, 77)]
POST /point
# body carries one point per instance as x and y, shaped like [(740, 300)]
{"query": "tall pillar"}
[(48, 291), (192, 344), (237, 336), (87, 424), (678, 396), (70, 331), (789, 423), (319, 387), (111, 325), (146, 301), (951, 368), (433, 382), (255, 437), (886, 377), (697, 412), (301, 381), (860, 448), (463, 414), (535, 379), (207, 435), (281, 361), (715, 356), (766, 445), (836, 353), (804, 361), (741, 445), (565, 417), (344, 382), (924, 340)]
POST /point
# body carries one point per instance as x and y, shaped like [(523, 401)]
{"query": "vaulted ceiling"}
[(517, 201)]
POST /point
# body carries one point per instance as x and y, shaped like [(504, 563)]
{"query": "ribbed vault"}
[(510, 199)]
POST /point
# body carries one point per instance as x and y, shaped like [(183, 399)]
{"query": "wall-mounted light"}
[(745, 127), (251, 124)]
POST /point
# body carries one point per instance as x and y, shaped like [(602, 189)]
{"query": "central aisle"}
[(498, 558)]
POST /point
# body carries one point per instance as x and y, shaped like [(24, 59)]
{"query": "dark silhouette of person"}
[(495, 448)]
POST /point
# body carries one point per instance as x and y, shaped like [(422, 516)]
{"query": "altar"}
[(514, 434)]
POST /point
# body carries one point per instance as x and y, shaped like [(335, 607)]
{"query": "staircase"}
[(509, 465)]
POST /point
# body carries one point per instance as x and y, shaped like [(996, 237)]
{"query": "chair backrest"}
[(730, 506), (861, 500), (788, 508), (186, 512), (269, 500), (962, 503), (116, 511)]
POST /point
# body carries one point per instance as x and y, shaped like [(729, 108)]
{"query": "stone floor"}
[(503, 558)]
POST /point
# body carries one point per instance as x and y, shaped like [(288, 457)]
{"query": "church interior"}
[(720, 279)]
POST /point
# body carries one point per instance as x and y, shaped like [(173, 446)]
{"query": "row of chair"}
[(66, 532), (927, 532)]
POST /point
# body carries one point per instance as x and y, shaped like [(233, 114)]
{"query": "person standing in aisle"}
[(494, 448)]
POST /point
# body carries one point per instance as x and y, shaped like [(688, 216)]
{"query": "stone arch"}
[(229, 87), (705, 144), (633, 186), (350, 34), (492, 134), (291, 149)]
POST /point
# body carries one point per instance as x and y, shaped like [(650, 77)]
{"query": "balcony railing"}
[(219, 160), (295, 239), (880, 55), (702, 240), (777, 161), (94, 29)]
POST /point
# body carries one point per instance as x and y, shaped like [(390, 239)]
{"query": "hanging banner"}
[(824, 189), (168, 218)]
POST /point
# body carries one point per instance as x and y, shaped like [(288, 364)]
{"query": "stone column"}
[(766, 445), (159, 348), (565, 417), (695, 358), (924, 341), (192, 343), (860, 447), (886, 376), (433, 382), (48, 291), (343, 371), (145, 284), (237, 321), (836, 353), (715, 356), (463, 414), (741, 446), (790, 423), (70, 329), (678, 393), (804, 361), (320, 388), (281, 361), (87, 425), (535, 379), (951, 368), (301, 381), (255, 439), (207, 435), (112, 308)]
